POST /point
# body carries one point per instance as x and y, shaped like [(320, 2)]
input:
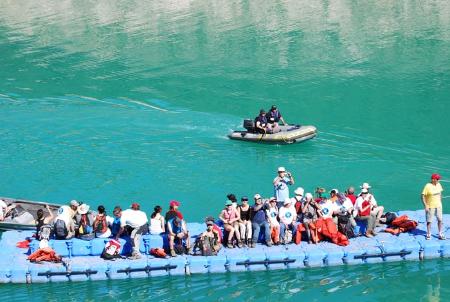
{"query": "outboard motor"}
[(249, 125)]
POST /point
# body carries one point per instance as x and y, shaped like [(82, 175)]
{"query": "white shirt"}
[(66, 214), (133, 218), (272, 213), (347, 204), (287, 215), (328, 207)]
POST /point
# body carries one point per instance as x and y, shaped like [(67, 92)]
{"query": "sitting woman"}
[(83, 223), (230, 219), (100, 225), (272, 213), (310, 212), (43, 232), (245, 222), (157, 222)]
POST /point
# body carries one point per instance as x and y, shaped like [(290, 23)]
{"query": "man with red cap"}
[(173, 210), (133, 222), (432, 201)]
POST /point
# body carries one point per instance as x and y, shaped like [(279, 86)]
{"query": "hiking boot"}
[(240, 244), (269, 243), (252, 244), (441, 236), (172, 253), (373, 233), (230, 245)]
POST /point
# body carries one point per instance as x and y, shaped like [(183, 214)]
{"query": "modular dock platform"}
[(81, 260)]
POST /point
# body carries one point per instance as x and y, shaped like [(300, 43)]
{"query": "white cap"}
[(308, 196), (299, 191), (335, 190), (83, 209), (74, 203), (281, 169), (257, 196), (365, 186)]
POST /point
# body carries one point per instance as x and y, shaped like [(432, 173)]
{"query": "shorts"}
[(431, 212)]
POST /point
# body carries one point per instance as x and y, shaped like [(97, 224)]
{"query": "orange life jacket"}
[(44, 254), (158, 252), (401, 224)]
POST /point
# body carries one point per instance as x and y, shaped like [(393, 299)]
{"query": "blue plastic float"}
[(82, 260)]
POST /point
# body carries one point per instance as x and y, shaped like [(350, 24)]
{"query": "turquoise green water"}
[(131, 101)]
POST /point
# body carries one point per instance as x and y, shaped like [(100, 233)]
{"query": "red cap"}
[(135, 206), (174, 203), (435, 176)]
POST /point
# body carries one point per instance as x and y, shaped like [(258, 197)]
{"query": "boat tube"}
[(287, 134)]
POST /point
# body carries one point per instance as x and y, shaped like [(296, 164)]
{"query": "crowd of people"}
[(275, 219)]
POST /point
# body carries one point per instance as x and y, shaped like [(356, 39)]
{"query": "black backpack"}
[(345, 226), (60, 229)]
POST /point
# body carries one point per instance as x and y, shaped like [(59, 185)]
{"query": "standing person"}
[(288, 218), (173, 210), (272, 214), (245, 222), (432, 201), (280, 186), (100, 225), (230, 219), (259, 219), (133, 222), (157, 222), (3, 207)]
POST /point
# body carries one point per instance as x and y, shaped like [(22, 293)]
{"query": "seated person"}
[(42, 221), (83, 223), (288, 217), (274, 117), (345, 208), (178, 236), (134, 223), (114, 222), (157, 222), (350, 193), (230, 219), (376, 210), (100, 224), (272, 214), (245, 223), (259, 219), (311, 212), (329, 206), (215, 227), (209, 241), (173, 211), (364, 213), (64, 226), (261, 125)]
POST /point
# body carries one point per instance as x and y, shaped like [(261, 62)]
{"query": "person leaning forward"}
[(432, 201)]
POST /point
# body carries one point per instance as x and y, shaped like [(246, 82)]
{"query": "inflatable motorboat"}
[(287, 134)]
